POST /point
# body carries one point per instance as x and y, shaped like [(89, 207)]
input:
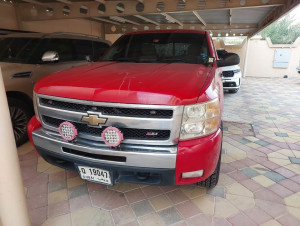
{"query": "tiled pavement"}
[(259, 182)]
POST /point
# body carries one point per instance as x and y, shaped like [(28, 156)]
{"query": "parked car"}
[(27, 57), (150, 112), (298, 69), (231, 75)]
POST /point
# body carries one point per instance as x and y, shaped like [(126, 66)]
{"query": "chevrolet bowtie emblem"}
[(94, 120)]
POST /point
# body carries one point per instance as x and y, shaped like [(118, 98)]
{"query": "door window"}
[(98, 49), (18, 50), (63, 47), (82, 49)]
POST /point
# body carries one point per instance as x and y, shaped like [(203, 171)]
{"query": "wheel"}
[(20, 114), (233, 90), (212, 181)]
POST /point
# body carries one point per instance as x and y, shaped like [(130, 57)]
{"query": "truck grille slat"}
[(114, 111), (95, 156), (129, 133), (228, 74)]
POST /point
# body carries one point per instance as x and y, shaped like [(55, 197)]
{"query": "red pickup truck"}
[(149, 112)]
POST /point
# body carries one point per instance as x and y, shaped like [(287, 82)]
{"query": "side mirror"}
[(229, 59), (50, 56)]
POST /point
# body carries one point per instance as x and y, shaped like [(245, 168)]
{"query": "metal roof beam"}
[(106, 21), (65, 1), (100, 1), (147, 20), (110, 29), (122, 20), (34, 2), (230, 27), (172, 19), (199, 18), (111, 7)]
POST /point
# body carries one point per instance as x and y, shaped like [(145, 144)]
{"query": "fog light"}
[(67, 131), (197, 173), (112, 136)]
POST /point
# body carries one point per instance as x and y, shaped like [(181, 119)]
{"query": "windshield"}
[(17, 50), (160, 48)]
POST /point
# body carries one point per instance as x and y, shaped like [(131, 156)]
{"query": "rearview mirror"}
[(50, 56), (228, 59)]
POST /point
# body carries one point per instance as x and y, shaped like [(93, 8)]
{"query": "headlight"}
[(237, 70), (200, 120), (35, 106)]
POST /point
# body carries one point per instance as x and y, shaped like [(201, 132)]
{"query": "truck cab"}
[(149, 112)]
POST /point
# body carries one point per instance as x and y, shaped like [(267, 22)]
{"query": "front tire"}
[(20, 114), (212, 181)]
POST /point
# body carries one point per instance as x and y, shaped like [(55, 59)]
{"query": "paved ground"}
[(259, 183)]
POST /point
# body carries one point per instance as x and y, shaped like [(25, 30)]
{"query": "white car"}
[(298, 69), (231, 77)]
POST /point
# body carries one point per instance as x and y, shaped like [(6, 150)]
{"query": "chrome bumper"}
[(146, 156)]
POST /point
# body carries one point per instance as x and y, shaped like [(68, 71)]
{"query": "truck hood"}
[(136, 83)]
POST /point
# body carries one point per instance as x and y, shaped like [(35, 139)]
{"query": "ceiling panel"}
[(215, 16), (249, 16), (244, 16)]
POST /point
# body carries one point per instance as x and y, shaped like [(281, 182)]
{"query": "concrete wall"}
[(8, 18), (112, 37), (261, 56), (67, 25)]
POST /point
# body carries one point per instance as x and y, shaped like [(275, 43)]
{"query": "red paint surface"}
[(198, 154), (138, 83), (33, 125)]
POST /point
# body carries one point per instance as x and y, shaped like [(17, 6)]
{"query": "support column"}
[(246, 58), (13, 208)]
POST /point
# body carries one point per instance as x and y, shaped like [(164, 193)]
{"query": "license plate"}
[(95, 174)]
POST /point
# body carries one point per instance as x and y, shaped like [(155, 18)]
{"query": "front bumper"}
[(140, 175), (156, 168), (125, 166), (232, 82)]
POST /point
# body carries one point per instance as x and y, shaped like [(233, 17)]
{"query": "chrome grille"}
[(115, 111), (129, 133), (159, 129)]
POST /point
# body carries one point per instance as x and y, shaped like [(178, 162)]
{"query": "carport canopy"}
[(219, 17)]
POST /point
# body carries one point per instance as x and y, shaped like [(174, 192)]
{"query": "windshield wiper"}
[(172, 60), (125, 59)]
